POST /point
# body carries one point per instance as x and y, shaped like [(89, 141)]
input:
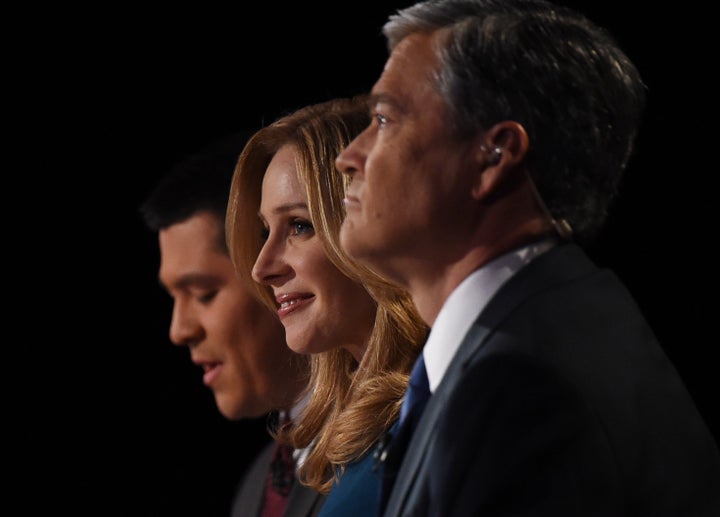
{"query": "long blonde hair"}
[(350, 405)]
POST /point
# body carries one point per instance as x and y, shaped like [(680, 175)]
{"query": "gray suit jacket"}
[(560, 401), (302, 502)]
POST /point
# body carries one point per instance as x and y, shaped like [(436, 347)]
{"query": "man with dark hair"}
[(238, 343)]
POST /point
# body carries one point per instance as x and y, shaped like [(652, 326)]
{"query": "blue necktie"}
[(416, 396)]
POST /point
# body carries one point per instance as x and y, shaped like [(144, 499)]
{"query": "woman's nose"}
[(269, 267)]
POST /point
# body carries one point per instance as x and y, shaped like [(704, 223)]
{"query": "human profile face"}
[(409, 200), (235, 339), (320, 307)]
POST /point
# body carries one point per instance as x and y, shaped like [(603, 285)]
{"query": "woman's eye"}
[(381, 119), (301, 227)]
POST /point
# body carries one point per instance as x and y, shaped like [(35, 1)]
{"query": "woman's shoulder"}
[(357, 493)]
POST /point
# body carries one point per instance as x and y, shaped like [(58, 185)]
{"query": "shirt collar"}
[(467, 301)]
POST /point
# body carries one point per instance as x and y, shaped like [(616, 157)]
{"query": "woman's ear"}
[(500, 151)]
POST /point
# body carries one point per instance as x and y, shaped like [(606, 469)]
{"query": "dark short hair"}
[(200, 182)]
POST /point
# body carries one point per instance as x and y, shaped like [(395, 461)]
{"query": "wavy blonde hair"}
[(350, 405)]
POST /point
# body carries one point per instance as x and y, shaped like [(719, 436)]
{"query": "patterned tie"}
[(279, 481), (416, 396)]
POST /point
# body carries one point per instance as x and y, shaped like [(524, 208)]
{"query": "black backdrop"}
[(118, 96)]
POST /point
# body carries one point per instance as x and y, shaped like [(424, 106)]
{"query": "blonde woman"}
[(362, 332)]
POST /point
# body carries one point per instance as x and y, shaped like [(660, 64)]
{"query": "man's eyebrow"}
[(378, 97), (192, 279), (388, 100)]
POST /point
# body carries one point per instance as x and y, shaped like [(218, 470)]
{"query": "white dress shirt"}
[(465, 304), (299, 455)]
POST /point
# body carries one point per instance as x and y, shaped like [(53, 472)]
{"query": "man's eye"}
[(207, 297), (381, 119)]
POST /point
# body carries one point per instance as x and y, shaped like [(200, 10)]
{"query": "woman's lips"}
[(292, 302)]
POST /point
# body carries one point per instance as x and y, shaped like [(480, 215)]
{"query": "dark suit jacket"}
[(302, 502), (560, 402)]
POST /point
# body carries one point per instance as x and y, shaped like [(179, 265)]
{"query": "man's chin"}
[(349, 240)]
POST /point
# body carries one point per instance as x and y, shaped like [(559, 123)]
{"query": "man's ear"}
[(500, 151)]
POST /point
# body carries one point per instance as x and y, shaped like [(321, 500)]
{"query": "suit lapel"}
[(302, 501), (561, 264)]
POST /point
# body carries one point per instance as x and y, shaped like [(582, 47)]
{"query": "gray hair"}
[(548, 67)]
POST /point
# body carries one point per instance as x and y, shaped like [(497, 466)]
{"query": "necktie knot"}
[(417, 394), (280, 478), (282, 469)]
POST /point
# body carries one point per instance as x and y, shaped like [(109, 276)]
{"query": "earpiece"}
[(494, 155)]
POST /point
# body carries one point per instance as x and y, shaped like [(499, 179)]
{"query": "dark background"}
[(114, 98)]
